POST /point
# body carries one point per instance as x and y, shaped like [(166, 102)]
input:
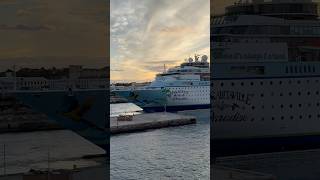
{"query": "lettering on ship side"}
[(178, 95), (232, 95), (236, 101)]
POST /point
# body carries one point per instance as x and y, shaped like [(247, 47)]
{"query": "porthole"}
[(272, 118), (299, 93), (290, 105), (251, 83), (253, 107), (317, 93), (262, 119), (300, 117), (298, 82), (280, 82), (221, 84), (318, 104), (261, 83), (309, 116), (242, 83), (232, 84), (300, 105), (290, 93), (261, 95), (291, 117), (271, 82), (309, 104), (308, 93), (282, 117), (272, 106), (281, 105), (281, 94)]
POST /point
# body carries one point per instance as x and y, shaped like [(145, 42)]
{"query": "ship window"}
[(318, 104), (299, 93), (282, 117), (317, 93), (298, 82), (290, 93), (271, 82), (300, 105), (280, 82), (300, 117), (261, 95), (261, 83), (310, 116), (281, 106), (290, 106), (291, 117), (287, 70), (272, 118), (251, 83)]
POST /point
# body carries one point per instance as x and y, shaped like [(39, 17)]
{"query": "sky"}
[(52, 32), (146, 34)]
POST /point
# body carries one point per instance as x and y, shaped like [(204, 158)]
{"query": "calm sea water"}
[(168, 153)]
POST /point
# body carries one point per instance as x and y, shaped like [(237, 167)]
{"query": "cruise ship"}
[(179, 88), (265, 74)]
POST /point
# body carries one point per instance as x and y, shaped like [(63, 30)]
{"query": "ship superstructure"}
[(266, 70), (181, 87)]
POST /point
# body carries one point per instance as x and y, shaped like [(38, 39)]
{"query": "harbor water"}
[(169, 153)]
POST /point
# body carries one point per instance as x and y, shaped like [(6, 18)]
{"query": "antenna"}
[(4, 159), (164, 68), (15, 77)]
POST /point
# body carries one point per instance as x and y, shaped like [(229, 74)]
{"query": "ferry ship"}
[(179, 88), (266, 74)]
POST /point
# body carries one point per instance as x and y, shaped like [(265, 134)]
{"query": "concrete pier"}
[(147, 121)]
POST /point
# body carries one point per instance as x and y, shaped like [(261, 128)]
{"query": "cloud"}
[(25, 27), (146, 32), (8, 2)]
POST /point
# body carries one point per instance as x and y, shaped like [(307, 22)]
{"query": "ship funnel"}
[(204, 58)]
